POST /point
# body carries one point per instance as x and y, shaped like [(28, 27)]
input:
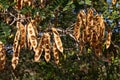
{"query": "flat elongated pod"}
[(55, 53), (16, 40), (76, 31), (34, 26), (94, 39), (23, 35), (108, 40), (15, 57), (57, 40), (32, 36), (47, 46), (2, 56), (39, 49)]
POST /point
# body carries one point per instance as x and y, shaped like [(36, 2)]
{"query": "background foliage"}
[(62, 14)]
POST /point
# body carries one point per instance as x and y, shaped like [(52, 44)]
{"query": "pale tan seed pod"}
[(47, 46), (55, 53), (108, 40), (32, 36), (16, 40), (34, 23), (2, 56), (89, 17), (57, 40), (23, 35), (102, 26), (77, 27), (83, 18), (39, 49), (76, 31), (19, 4), (94, 39), (15, 57), (114, 2)]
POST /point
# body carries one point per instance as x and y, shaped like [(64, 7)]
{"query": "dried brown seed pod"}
[(108, 40), (15, 57), (23, 35), (55, 53), (47, 46), (19, 4), (57, 40), (16, 40), (2, 56), (39, 49), (32, 37), (114, 2)]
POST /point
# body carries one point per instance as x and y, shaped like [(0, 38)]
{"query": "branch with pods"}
[(88, 28)]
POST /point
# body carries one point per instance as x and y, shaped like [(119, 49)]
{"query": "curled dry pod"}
[(55, 53), (39, 49), (19, 4), (2, 56), (15, 57), (57, 40), (47, 46), (108, 40), (23, 35), (32, 37)]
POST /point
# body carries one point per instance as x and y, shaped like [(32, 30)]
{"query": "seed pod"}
[(57, 40), (19, 4), (23, 35), (94, 39), (114, 2), (32, 37), (15, 57), (77, 26), (2, 56), (108, 40), (16, 40), (39, 49), (34, 26), (83, 18), (47, 46), (55, 53)]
